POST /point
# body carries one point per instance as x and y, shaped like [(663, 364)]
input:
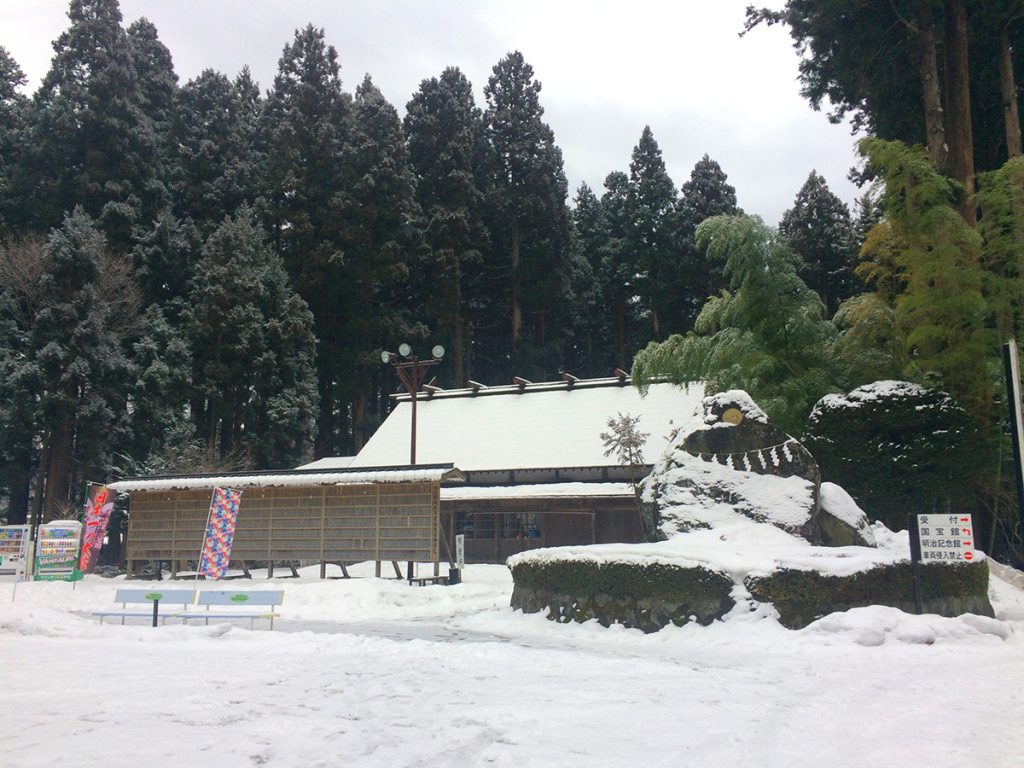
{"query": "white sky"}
[(607, 70)]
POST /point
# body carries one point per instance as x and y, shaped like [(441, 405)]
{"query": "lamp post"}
[(412, 371)]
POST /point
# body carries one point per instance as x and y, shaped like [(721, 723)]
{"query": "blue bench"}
[(154, 597), (241, 600)]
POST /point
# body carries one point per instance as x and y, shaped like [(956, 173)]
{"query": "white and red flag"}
[(220, 533), (98, 506)]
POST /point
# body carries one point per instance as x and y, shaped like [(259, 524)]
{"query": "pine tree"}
[(443, 128), (381, 238), (589, 354), (254, 391), (157, 86), (529, 222), (304, 128), (618, 273), (91, 142), (165, 257), (74, 353), (819, 230), (706, 194), (649, 204), (12, 116), (215, 153)]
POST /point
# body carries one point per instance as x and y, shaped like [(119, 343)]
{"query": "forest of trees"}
[(201, 275)]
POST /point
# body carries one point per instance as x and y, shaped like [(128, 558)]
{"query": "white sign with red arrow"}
[(946, 538)]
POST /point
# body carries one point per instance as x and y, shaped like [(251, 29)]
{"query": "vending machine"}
[(13, 550), (57, 545)]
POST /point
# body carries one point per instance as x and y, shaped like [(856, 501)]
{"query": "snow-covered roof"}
[(292, 477), (329, 462), (537, 426), (538, 491)]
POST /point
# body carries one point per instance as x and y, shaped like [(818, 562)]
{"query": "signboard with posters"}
[(57, 551), (13, 550), (946, 538)]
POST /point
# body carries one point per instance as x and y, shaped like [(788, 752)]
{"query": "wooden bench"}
[(154, 597), (226, 599), (424, 580)]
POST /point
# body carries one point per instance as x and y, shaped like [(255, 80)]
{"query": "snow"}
[(371, 672), (840, 504), (268, 480), (878, 390), (538, 491), (329, 462), (545, 426)]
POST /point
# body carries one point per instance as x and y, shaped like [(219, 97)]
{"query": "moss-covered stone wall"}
[(800, 597), (646, 596)]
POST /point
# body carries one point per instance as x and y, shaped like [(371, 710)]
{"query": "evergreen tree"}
[(74, 357), (706, 194), (819, 230), (157, 86), (12, 115), (165, 256), (767, 335), (304, 130), (443, 126), (215, 152), (91, 142), (381, 237), (618, 272), (254, 391), (937, 257), (649, 204), (529, 223), (589, 354)]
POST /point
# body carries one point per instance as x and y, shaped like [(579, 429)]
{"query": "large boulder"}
[(732, 458), (842, 522)]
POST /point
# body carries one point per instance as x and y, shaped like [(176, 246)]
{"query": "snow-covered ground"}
[(368, 672)]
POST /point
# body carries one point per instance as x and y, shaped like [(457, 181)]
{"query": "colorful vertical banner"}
[(220, 533), (98, 506)]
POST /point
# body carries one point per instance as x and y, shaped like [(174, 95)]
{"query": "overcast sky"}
[(607, 69)]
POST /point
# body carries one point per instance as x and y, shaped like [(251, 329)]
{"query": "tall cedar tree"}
[(74, 356), (381, 237), (165, 257), (767, 335), (871, 60), (12, 116), (91, 142), (157, 86), (305, 125), (215, 153), (254, 390), (618, 272), (649, 204), (443, 128), (529, 224), (819, 230), (707, 193), (590, 353)]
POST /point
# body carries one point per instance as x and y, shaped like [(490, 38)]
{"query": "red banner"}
[(97, 515)]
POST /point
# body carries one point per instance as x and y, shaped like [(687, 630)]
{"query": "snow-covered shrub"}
[(897, 448)]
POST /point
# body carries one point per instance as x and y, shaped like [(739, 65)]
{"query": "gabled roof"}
[(535, 426)]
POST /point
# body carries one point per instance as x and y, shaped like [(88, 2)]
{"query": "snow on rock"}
[(878, 390), (848, 521)]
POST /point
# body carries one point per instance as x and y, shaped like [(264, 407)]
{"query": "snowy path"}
[(413, 678)]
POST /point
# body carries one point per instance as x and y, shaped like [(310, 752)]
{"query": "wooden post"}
[(323, 530)]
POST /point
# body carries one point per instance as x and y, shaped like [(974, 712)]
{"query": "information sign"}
[(13, 550), (57, 551), (460, 551), (946, 538)]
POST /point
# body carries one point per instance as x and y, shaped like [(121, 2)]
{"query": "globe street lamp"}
[(411, 370)]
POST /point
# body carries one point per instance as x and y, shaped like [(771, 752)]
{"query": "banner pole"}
[(206, 532)]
